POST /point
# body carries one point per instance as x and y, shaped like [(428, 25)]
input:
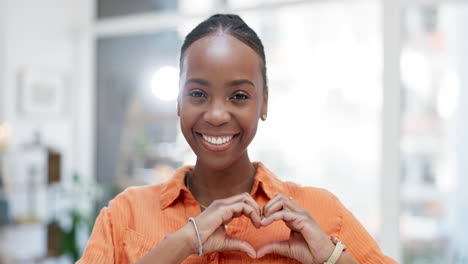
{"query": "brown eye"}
[(197, 94), (240, 96)]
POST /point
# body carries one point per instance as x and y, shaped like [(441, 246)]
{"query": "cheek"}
[(186, 125), (249, 125), (249, 117), (187, 118)]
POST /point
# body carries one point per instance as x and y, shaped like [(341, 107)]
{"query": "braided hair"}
[(234, 26)]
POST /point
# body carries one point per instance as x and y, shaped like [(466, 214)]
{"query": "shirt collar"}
[(265, 180)]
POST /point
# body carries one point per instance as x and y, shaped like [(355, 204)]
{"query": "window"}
[(433, 61)]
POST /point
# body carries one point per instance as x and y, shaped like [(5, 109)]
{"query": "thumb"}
[(277, 247), (234, 244)]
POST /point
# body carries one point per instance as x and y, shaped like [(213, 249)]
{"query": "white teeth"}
[(217, 140)]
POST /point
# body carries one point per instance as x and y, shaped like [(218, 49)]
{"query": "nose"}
[(217, 113)]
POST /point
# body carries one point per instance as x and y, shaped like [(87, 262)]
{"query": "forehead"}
[(221, 55)]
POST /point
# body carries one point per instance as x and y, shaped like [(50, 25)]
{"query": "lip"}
[(216, 148), (217, 135)]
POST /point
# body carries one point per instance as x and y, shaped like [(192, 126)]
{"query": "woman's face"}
[(221, 99)]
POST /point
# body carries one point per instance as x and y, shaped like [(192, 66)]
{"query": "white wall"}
[(53, 36), (2, 55), (50, 35)]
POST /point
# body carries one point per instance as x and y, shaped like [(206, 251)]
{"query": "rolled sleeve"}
[(100, 247), (358, 241)]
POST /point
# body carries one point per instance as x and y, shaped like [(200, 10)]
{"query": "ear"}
[(265, 104)]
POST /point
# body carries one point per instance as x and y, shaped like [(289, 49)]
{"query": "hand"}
[(307, 242), (211, 223)]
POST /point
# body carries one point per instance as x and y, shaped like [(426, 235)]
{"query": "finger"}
[(217, 216), (269, 204), (274, 207), (234, 244), (251, 201), (277, 247), (243, 197), (231, 211), (278, 203), (294, 220)]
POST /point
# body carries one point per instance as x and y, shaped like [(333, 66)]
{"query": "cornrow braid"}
[(233, 25)]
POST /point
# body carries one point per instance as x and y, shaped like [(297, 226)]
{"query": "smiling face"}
[(221, 99)]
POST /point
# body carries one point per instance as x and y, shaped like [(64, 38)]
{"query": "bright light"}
[(165, 83), (415, 72), (447, 97)]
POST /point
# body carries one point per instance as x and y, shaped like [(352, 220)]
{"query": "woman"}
[(239, 211)]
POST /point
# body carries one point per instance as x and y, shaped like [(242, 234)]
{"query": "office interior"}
[(368, 99)]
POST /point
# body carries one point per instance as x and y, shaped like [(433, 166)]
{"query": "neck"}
[(207, 184)]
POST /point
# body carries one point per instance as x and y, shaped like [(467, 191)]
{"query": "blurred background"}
[(368, 99)]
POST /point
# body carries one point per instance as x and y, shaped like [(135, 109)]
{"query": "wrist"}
[(337, 253), (325, 251), (174, 248), (188, 235)]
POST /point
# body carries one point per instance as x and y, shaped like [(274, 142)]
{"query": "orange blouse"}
[(139, 218)]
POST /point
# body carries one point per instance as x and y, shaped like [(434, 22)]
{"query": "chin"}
[(216, 163)]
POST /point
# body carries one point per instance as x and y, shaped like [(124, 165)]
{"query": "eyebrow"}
[(240, 82), (198, 81), (231, 83)]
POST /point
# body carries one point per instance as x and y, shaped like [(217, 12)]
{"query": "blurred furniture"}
[(26, 205)]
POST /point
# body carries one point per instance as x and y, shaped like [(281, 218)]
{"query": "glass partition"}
[(433, 59), (325, 84)]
